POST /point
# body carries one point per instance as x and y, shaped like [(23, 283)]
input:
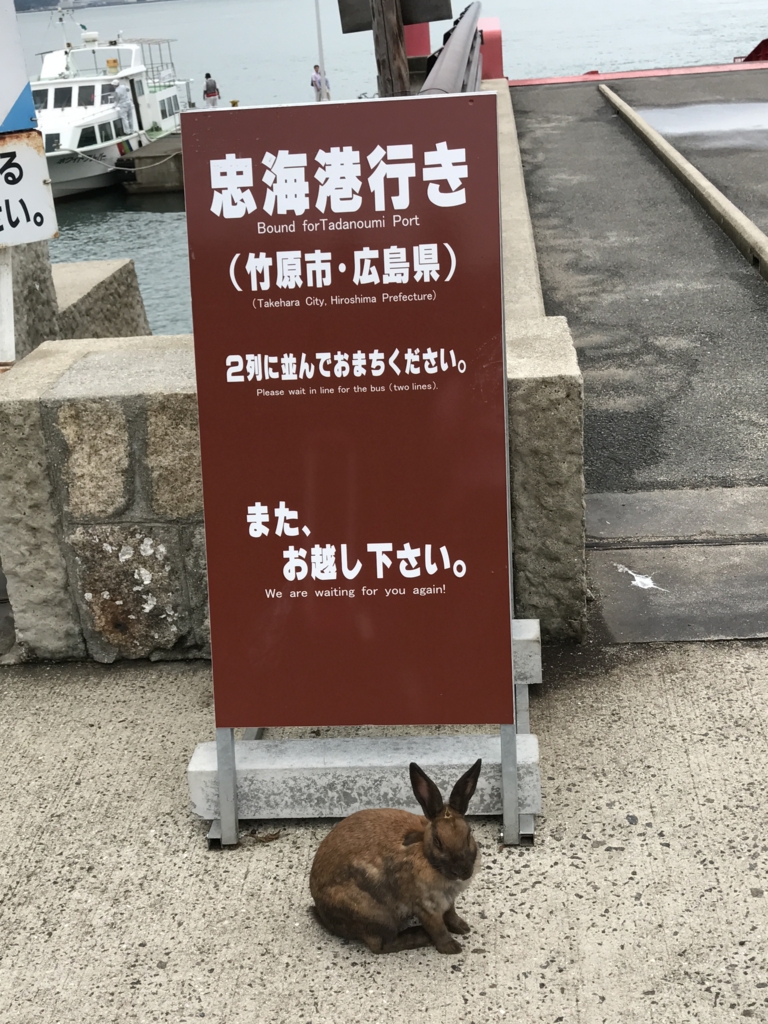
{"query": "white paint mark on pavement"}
[(644, 582)]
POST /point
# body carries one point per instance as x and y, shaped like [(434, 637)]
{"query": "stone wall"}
[(94, 299), (101, 535)]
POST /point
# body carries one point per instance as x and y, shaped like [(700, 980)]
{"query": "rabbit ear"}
[(464, 789), (426, 792)]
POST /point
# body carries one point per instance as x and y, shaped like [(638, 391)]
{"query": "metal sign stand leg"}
[(509, 793), (522, 717), (225, 828)]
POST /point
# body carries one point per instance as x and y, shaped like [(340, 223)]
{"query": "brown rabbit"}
[(377, 869)]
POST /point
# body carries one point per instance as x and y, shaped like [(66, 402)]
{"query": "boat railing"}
[(161, 76), (157, 58), (457, 67)]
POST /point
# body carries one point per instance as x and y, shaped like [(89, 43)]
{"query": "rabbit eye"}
[(438, 841)]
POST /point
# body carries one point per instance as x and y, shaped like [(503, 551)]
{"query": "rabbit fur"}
[(377, 869)]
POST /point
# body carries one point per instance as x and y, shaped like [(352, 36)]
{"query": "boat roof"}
[(97, 59), (90, 61)]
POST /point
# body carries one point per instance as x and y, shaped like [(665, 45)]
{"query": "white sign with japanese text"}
[(345, 264), (27, 212)]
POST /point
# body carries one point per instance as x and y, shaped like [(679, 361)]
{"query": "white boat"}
[(83, 131)]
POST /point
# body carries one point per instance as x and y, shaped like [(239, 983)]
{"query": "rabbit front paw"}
[(450, 946), (454, 923)]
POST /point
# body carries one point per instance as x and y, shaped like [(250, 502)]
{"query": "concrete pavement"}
[(732, 160), (642, 900), (667, 316)]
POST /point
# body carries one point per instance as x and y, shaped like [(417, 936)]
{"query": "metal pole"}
[(7, 331), (509, 792), (323, 88), (227, 774)]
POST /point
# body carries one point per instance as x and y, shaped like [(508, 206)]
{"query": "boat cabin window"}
[(119, 130), (107, 93), (88, 136), (52, 142), (86, 95), (62, 97), (40, 96), (169, 106), (105, 131), (139, 85)]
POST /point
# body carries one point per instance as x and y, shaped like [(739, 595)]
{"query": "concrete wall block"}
[(546, 417), (35, 309), (129, 587), (99, 299), (79, 418), (95, 299), (546, 401), (173, 456), (46, 621), (526, 654), (96, 457)]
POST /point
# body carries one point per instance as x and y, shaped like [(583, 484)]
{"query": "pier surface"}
[(642, 900), (668, 318), (670, 322)]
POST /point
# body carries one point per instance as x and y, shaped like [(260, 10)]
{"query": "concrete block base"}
[(335, 777), (526, 653)]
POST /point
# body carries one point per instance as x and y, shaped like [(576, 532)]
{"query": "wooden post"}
[(389, 45)]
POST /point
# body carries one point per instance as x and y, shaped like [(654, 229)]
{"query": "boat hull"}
[(73, 173)]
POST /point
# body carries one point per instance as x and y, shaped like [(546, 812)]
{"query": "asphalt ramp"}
[(679, 565)]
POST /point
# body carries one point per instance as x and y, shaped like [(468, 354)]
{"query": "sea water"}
[(262, 52)]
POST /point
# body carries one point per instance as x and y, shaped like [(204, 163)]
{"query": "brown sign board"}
[(356, 14), (347, 305)]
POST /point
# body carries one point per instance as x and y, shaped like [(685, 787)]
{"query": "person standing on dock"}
[(317, 84), (211, 93)]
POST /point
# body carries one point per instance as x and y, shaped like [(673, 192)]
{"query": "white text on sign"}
[(258, 367), (322, 564), (340, 177)]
